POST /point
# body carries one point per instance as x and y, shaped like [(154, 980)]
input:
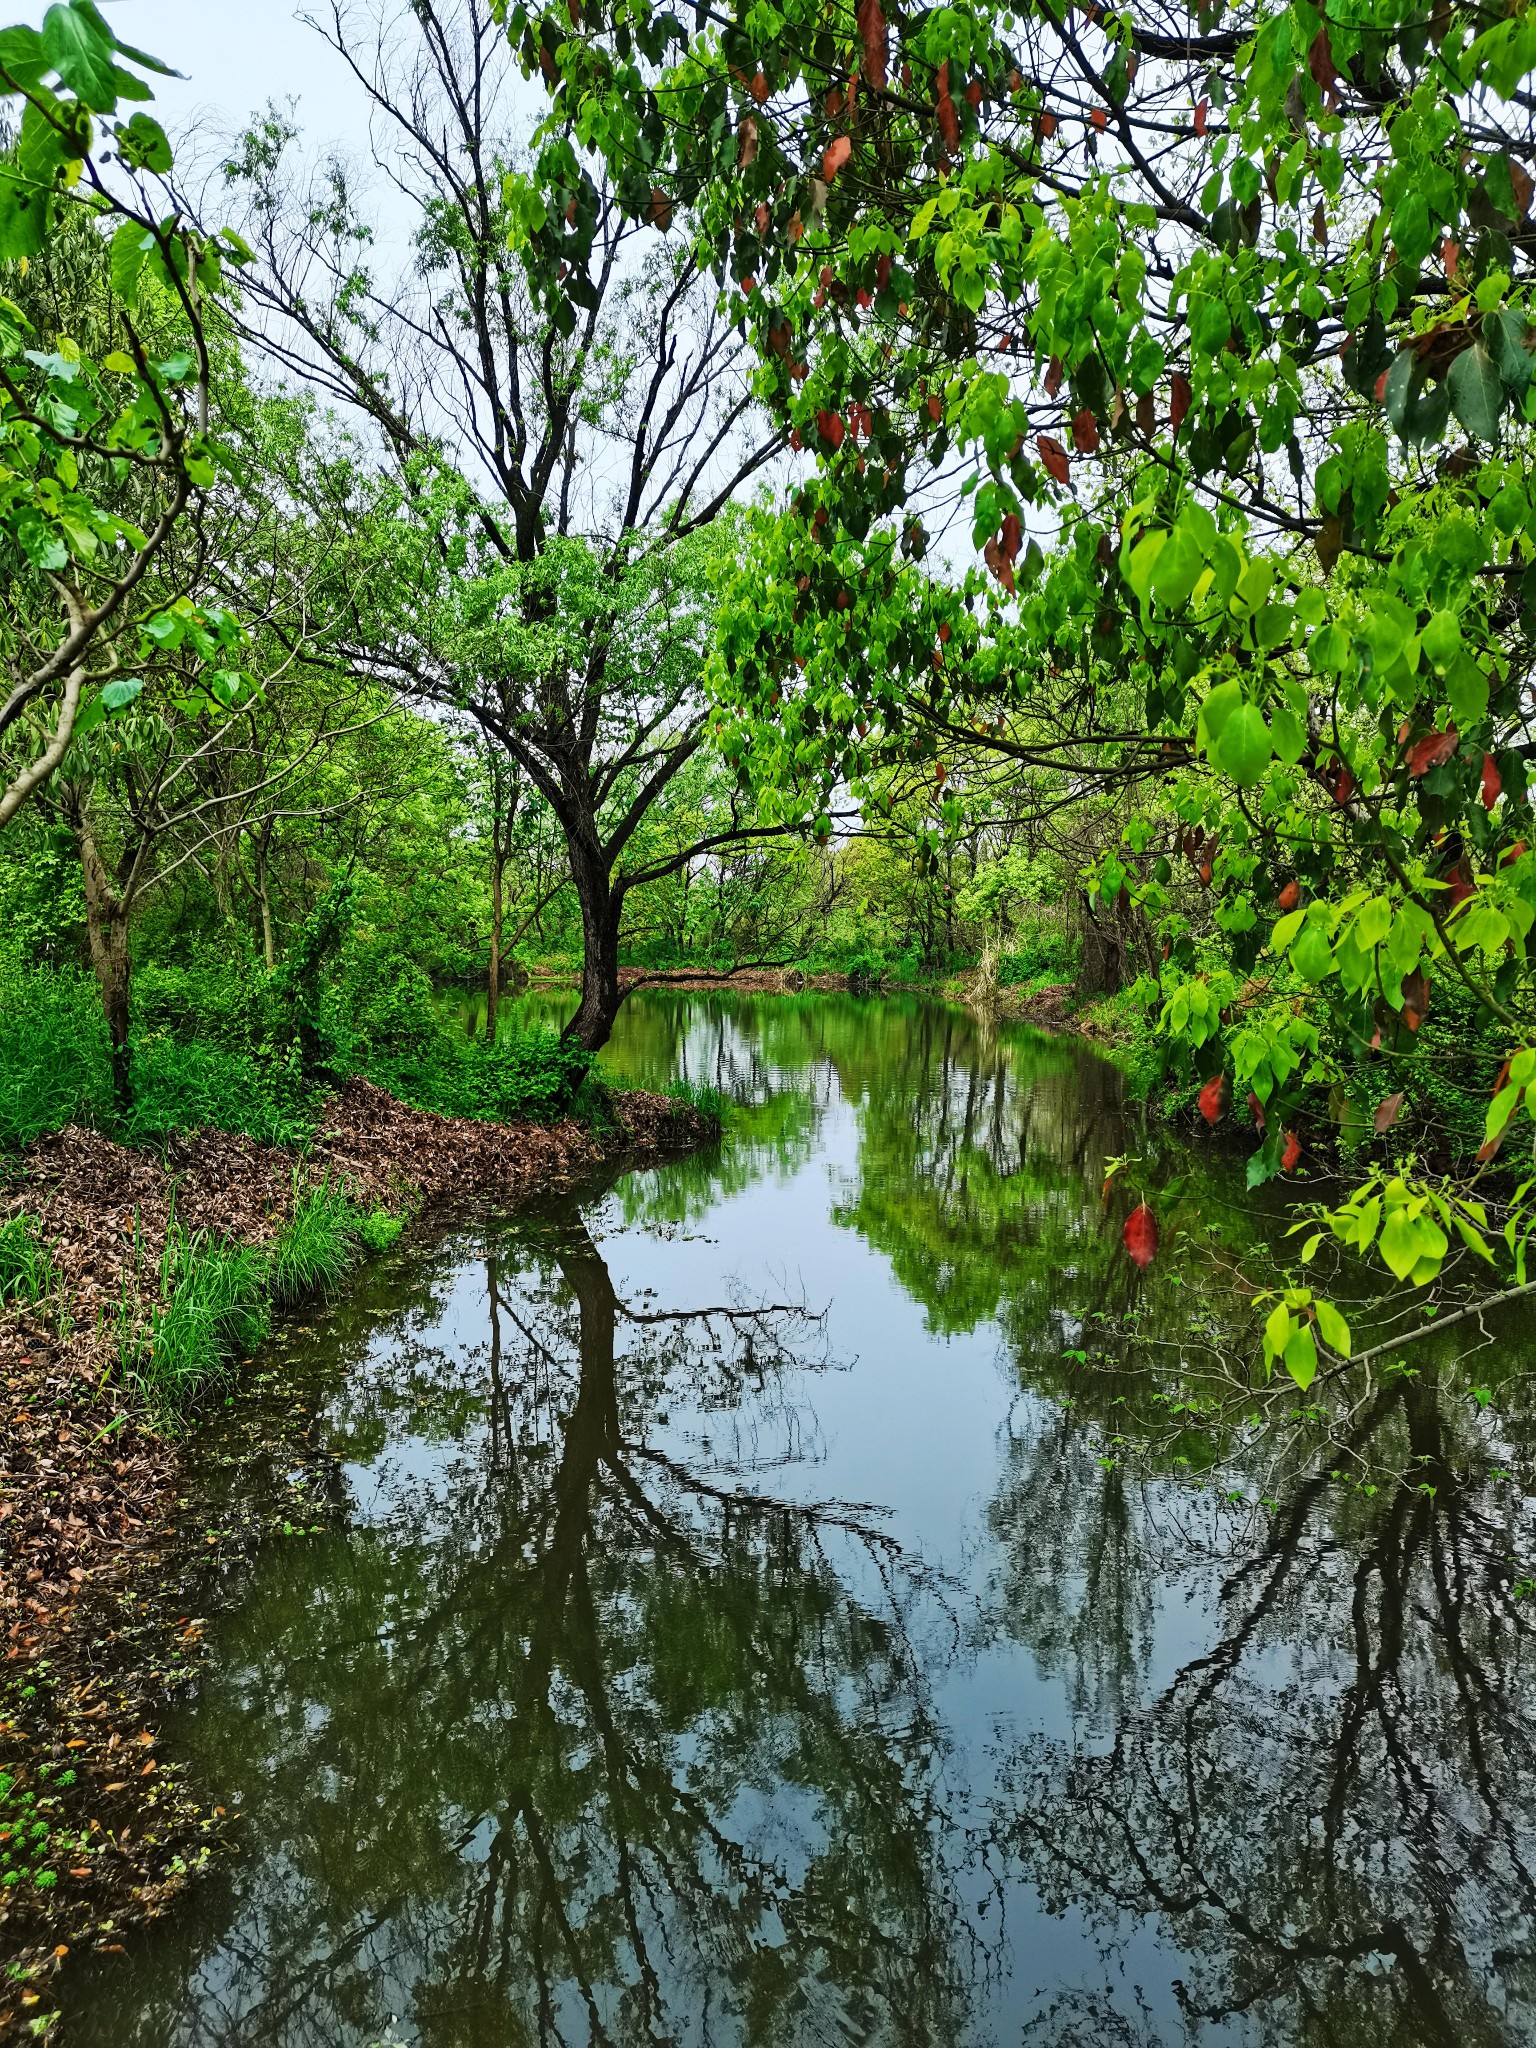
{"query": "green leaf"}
[(118, 694), (1244, 748), (1277, 1329), (1301, 1358), (23, 218), (79, 46), (1335, 1331), (1289, 735), (143, 142), (130, 243), (1477, 393), (22, 59), (1312, 954)]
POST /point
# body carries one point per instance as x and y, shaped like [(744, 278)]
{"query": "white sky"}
[(237, 55)]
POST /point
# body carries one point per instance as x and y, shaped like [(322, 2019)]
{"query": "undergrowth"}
[(319, 1247)]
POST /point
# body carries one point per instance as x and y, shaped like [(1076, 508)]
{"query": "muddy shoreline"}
[(97, 1556)]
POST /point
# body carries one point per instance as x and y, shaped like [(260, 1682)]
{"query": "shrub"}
[(1040, 951), (182, 1087)]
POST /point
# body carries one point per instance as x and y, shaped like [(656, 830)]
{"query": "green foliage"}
[(26, 1270), (54, 1066)]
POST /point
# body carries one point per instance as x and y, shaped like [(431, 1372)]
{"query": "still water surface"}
[(730, 1624)]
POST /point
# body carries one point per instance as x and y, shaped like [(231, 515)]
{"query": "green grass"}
[(214, 1298), (699, 1095), (318, 1248), (54, 1057), (26, 1270), (216, 1307)]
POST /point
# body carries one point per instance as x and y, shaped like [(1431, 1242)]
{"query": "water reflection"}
[(682, 1668), (514, 1755)]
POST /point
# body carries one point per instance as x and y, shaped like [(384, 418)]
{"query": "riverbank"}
[(97, 1829)]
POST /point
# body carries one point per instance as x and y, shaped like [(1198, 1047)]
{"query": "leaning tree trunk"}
[(106, 923), (601, 905)]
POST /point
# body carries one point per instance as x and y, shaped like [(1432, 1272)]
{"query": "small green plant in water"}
[(377, 1230)]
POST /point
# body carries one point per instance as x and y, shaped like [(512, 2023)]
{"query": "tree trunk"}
[(264, 898), (601, 904), (106, 921), (493, 978)]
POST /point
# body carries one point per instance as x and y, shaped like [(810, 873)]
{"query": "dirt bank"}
[(97, 1828)]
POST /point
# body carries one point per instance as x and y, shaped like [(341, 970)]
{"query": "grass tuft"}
[(699, 1095), (318, 1248), (215, 1295), (26, 1270)]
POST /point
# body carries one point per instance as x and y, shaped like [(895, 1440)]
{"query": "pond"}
[(736, 1618)]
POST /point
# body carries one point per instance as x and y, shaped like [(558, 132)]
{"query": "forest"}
[(969, 568)]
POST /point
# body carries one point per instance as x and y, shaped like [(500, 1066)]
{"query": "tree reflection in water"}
[(585, 1744), (1332, 1808)]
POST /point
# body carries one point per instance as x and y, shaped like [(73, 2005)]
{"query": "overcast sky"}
[(237, 55)]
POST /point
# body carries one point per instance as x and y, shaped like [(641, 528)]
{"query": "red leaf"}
[(1201, 113), (871, 20), (1381, 388), (948, 119), (1179, 400), (1085, 431), (1146, 415), (1432, 751), (1320, 64), (1489, 1149), (1520, 183), (1289, 896), (1256, 1109), (1055, 458), (1493, 782), (1387, 1111), (1140, 1235), (661, 209), (973, 94), (1291, 1154), (830, 427), (935, 406), (1012, 534), (759, 87), (1055, 370), (1343, 785), (573, 9), (1048, 125), (1099, 118), (837, 154), (1212, 1099), (748, 285), (882, 272), (746, 142), (1415, 998)]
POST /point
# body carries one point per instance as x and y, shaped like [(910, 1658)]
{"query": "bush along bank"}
[(134, 1286)]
